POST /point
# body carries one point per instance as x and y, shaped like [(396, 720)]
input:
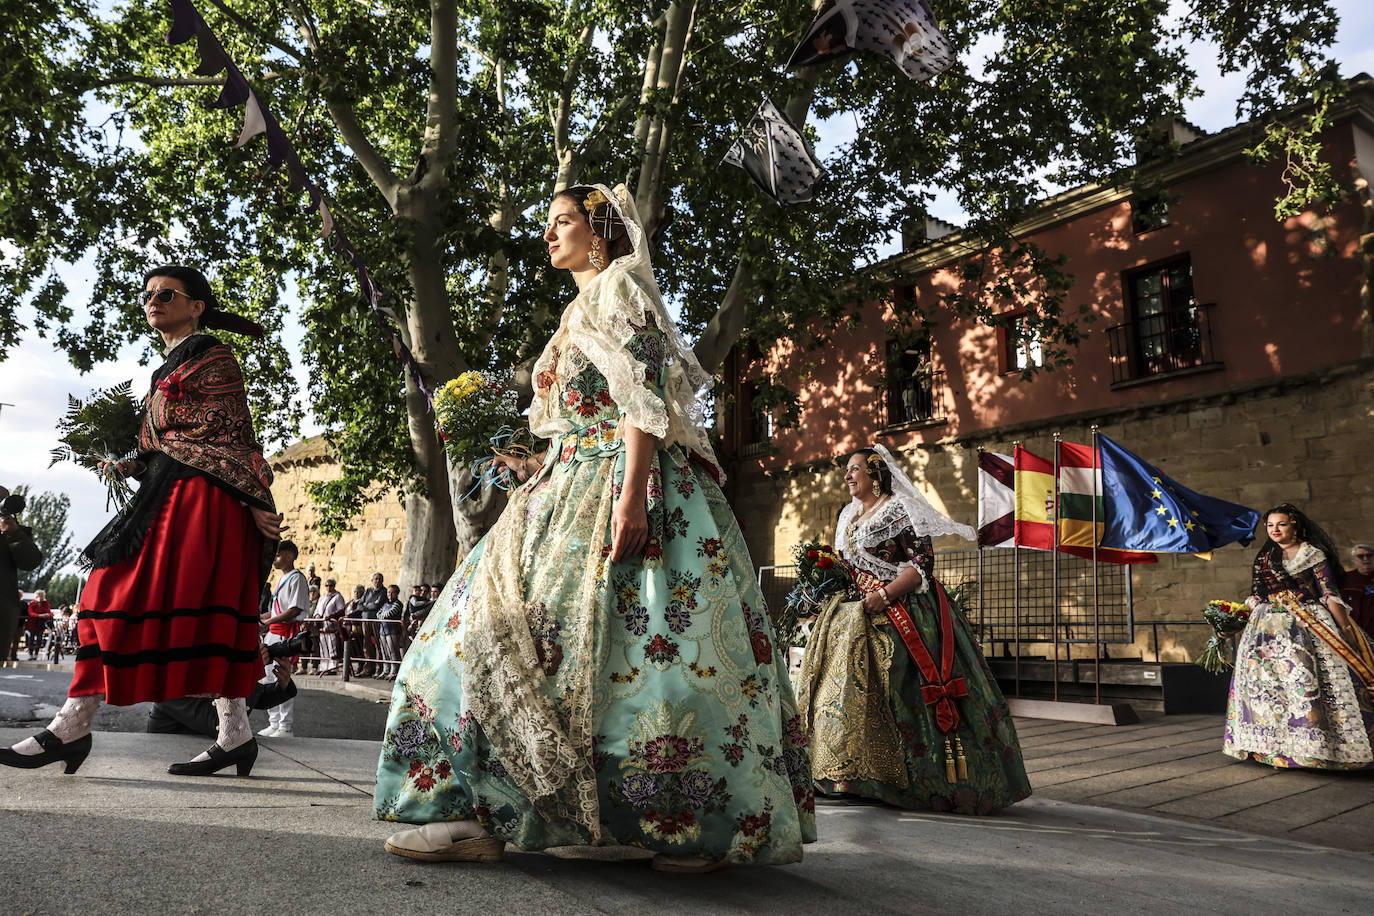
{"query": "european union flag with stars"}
[(1146, 510)]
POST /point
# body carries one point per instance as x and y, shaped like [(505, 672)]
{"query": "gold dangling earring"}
[(594, 256), (877, 488)]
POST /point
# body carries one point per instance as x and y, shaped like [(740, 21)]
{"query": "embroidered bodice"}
[(584, 396), (885, 543), (1308, 576)]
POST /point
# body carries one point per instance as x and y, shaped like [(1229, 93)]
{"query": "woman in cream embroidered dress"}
[(878, 727), (601, 668), (1297, 695)]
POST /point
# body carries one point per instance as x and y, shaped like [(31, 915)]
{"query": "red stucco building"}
[(1232, 349)]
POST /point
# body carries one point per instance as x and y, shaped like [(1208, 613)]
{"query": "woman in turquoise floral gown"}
[(601, 668), (899, 702)]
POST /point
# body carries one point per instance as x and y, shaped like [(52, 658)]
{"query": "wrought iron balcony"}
[(918, 398), (1166, 342)]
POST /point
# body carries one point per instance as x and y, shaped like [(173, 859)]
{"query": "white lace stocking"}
[(72, 721), (234, 729)]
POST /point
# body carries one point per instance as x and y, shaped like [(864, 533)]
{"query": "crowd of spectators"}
[(374, 624)]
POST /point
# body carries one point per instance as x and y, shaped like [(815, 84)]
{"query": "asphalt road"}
[(29, 697)]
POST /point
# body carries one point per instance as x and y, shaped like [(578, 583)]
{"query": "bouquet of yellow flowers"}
[(474, 409), (1227, 618)]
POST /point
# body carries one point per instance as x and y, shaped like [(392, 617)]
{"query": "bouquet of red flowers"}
[(1227, 619), (821, 572)]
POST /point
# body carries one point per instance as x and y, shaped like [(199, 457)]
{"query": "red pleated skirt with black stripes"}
[(180, 618)]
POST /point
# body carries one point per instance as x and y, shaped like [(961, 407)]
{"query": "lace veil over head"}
[(924, 518), (546, 744), (597, 326)]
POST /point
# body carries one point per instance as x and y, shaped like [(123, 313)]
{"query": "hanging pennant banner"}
[(187, 24), (776, 155), (904, 30)]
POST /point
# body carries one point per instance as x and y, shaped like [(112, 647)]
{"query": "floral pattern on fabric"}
[(872, 733), (696, 747), (1293, 701)]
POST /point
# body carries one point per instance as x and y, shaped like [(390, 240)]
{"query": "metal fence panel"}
[(999, 601)]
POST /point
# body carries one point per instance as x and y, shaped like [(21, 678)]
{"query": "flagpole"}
[(1054, 566), (1097, 607), (980, 588), (1015, 576)]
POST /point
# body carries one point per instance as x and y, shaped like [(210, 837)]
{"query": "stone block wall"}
[(372, 542), (1306, 440)]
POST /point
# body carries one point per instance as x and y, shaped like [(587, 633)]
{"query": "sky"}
[(36, 378)]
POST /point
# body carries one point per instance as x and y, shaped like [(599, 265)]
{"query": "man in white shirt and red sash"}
[(290, 601)]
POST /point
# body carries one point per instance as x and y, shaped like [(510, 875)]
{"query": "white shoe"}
[(283, 733), (434, 843), (269, 732)]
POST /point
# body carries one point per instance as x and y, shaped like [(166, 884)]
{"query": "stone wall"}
[(1299, 440), (372, 542)]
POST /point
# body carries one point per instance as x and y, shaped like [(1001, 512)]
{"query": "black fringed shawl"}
[(196, 409)]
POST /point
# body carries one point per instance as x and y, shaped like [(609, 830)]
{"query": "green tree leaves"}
[(442, 130)]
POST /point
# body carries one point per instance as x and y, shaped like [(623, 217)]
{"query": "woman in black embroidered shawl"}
[(170, 609)]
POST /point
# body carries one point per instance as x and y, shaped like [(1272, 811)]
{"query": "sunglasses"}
[(1364, 556), (163, 295)]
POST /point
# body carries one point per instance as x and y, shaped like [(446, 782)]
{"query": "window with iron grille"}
[(1167, 331), (760, 416), (1149, 213), (913, 386)]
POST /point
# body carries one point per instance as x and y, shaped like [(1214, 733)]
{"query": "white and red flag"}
[(996, 500)]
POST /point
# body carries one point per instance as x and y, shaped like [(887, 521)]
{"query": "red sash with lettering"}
[(942, 688)]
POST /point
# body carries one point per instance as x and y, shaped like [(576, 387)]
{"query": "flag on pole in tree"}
[(996, 500), (1145, 509), (1036, 513), (773, 152), (904, 30)]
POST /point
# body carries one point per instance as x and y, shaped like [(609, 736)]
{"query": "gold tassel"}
[(963, 761), (949, 762)]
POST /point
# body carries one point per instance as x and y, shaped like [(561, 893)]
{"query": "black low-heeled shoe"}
[(54, 749), (244, 756)]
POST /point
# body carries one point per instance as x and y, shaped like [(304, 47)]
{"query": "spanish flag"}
[(1036, 513)]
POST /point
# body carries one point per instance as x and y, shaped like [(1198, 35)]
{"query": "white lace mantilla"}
[(1309, 557), (599, 324), (854, 537)]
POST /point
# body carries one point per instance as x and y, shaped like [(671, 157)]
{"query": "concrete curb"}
[(365, 690), (38, 666)]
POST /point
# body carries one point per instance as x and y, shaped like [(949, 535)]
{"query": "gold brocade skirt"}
[(842, 693)]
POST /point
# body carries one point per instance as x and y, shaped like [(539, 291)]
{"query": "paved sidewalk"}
[(1173, 766), (136, 840)]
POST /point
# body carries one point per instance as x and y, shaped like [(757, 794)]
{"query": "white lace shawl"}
[(887, 522), (599, 324), (1309, 557)]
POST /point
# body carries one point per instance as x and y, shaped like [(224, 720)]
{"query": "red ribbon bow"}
[(942, 697)]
